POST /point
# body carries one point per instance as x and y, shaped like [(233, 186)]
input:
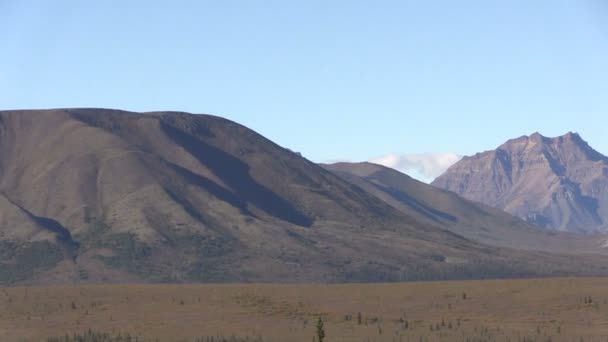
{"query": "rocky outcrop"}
[(559, 183)]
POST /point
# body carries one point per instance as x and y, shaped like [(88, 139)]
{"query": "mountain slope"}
[(558, 183), (96, 195), (464, 217)]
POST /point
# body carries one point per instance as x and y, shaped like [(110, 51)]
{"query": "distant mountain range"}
[(97, 195), (557, 183), (464, 217)]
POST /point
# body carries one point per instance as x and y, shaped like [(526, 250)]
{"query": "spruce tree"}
[(320, 330)]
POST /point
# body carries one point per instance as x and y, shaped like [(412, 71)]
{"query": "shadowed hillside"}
[(95, 195)]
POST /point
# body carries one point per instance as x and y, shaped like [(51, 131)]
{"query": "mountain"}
[(558, 183), (469, 219), (98, 195)]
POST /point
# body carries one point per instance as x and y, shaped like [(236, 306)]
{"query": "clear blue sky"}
[(333, 79)]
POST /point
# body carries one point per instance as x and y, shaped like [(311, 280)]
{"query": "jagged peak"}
[(538, 137), (521, 176), (571, 136)]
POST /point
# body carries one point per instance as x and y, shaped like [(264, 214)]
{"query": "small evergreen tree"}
[(320, 330)]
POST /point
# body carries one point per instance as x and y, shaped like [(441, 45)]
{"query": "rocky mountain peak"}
[(559, 183)]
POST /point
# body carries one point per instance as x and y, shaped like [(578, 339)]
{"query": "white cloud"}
[(423, 166)]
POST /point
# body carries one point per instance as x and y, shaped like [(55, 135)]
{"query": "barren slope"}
[(94, 195)]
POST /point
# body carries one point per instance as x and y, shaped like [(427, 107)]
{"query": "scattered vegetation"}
[(91, 336), (506, 311), (320, 330), (21, 261)]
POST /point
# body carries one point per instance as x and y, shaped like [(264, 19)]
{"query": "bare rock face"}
[(558, 183)]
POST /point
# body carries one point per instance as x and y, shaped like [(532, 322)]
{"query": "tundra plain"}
[(565, 309)]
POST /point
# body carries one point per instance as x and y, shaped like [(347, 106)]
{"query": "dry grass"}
[(508, 310)]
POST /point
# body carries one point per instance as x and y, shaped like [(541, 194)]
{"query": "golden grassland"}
[(500, 310)]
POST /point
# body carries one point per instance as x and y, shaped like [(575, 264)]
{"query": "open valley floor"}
[(495, 310)]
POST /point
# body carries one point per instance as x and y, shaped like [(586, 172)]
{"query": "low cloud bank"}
[(423, 166)]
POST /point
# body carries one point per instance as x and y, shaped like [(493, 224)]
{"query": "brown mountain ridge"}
[(98, 195)]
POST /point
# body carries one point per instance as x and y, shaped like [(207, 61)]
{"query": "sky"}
[(410, 84)]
